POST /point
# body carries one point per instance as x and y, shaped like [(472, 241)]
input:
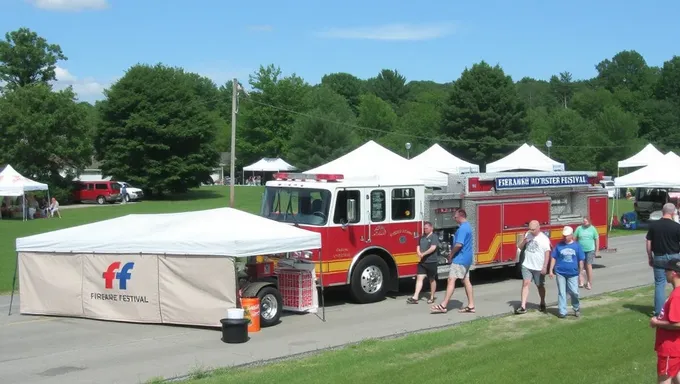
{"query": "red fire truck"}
[(370, 229)]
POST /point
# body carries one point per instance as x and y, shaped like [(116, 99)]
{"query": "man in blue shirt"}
[(567, 264), (462, 255)]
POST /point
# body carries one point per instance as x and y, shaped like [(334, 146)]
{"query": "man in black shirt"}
[(663, 244), (428, 253)]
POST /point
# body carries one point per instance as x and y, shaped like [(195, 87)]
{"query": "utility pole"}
[(232, 154)]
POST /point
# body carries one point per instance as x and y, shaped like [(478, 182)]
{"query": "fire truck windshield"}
[(296, 205)]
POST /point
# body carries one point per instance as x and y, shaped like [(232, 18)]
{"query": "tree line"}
[(163, 128)]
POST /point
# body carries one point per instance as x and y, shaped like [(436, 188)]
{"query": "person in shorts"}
[(589, 240), (535, 266), (461, 259), (667, 325), (428, 253)]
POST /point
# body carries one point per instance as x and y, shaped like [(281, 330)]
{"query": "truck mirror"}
[(351, 210)]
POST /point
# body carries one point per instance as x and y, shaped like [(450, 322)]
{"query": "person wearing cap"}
[(667, 325), (566, 264), (663, 244)]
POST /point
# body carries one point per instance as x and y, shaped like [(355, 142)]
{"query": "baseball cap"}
[(567, 231), (672, 265)]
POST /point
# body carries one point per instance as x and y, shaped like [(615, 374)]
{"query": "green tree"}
[(156, 130), (325, 132), (268, 113), (418, 125), (616, 134), (627, 69), (43, 133), (563, 88), (571, 136), (668, 85), (26, 58), (535, 93), (484, 114), (376, 116), (346, 85), (390, 86)]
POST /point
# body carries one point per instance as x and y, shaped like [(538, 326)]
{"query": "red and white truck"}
[(370, 230)]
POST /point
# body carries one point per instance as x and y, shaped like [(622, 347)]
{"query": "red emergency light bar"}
[(308, 176), (445, 210)]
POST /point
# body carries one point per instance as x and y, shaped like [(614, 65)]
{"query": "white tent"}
[(648, 155), (374, 161), (174, 268), (215, 232), (661, 174), (12, 183), (441, 160), (269, 165), (525, 157)]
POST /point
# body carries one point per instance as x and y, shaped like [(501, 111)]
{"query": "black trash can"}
[(234, 331)]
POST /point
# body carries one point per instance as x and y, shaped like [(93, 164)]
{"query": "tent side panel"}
[(121, 287), (50, 284), (196, 290)]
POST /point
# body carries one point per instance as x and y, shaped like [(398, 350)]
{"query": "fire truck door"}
[(349, 218)]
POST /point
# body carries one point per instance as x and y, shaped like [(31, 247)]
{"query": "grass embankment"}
[(246, 198), (610, 343)]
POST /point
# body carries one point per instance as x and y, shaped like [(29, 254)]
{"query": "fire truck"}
[(370, 229)]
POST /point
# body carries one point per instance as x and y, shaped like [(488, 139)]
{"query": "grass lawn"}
[(622, 207), (247, 199), (610, 343)]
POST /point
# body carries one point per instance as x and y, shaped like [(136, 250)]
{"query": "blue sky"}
[(424, 40)]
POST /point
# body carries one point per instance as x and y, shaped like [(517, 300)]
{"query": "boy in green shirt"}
[(589, 240)]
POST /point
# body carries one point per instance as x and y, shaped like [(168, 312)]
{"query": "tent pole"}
[(14, 282), (23, 203)]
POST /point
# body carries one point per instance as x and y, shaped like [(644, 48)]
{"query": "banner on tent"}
[(121, 287), (523, 182)]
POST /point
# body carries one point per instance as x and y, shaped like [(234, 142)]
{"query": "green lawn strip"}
[(610, 343), (246, 198)]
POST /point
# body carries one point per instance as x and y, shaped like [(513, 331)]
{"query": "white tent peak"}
[(12, 183), (372, 161), (525, 157), (648, 155), (269, 164), (442, 160)]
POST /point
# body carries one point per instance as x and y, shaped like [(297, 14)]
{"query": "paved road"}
[(70, 351)]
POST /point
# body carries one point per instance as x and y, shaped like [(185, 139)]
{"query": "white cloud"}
[(87, 89), (260, 28), (393, 32), (70, 5)]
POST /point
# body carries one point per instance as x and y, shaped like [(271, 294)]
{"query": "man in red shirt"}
[(667, 325)]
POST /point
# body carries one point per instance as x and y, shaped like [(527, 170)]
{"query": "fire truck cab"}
[(370, 229)]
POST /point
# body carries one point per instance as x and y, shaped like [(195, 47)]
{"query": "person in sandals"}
[(461, 259), (428, 253), (535, 266)]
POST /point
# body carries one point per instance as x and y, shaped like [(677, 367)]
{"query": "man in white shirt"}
[(535, 266)]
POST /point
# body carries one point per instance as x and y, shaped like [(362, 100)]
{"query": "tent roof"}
[(442, 160), (525, 157), (215, 232), (12, 183), (375, 162), (661, 174), (648, 155), (269, 164)]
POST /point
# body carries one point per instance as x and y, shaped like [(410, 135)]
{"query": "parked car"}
[(612, 191), (131, 193), (98, 191), (650, 200)]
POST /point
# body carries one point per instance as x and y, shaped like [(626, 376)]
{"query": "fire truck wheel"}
[(271, 305), (369, 279)]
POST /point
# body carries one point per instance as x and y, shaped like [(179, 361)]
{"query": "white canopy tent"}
[(267, 164), (661, 174), (12, 183), (441, 160), (374, 161), (648, 155), (526, 157), (176, 268)]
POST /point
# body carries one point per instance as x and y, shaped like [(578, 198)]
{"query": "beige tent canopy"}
[(173, 268)]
